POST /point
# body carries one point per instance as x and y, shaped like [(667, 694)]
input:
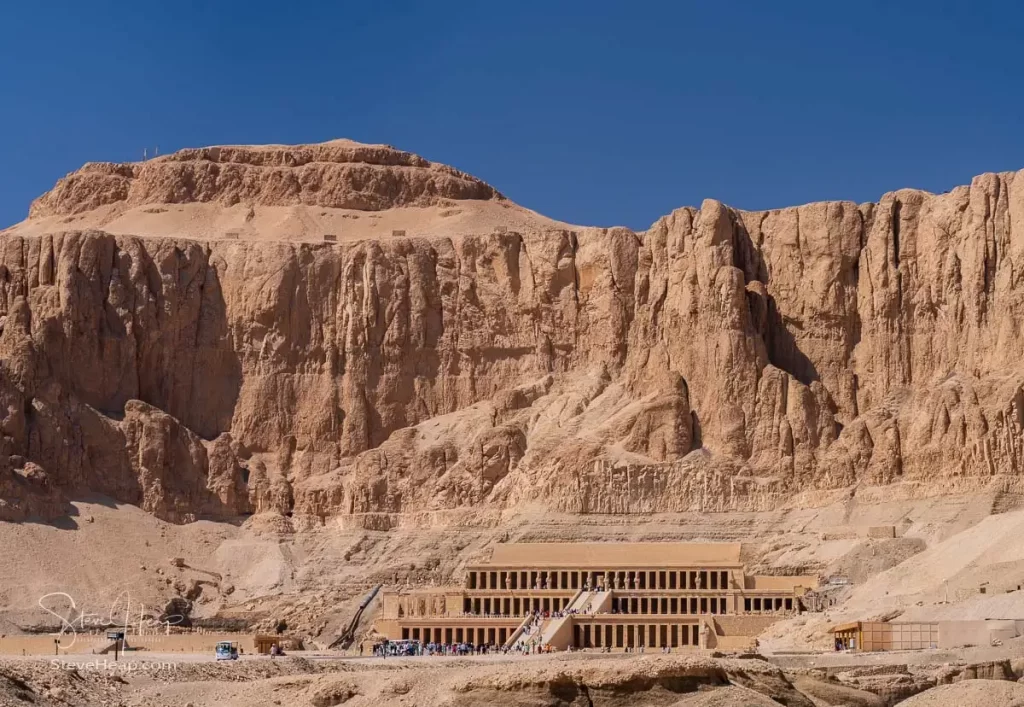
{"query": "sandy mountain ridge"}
[(720, 360), (276, 192), (338, 174)]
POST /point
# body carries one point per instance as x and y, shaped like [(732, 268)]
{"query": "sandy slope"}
[(102, 556), (292, 223), (971, 693), (262, 570)]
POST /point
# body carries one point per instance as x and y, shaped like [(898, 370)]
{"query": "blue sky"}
[(593, 112)]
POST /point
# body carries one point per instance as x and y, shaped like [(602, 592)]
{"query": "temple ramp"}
[(557, 633), (600, 603), (518, 633)]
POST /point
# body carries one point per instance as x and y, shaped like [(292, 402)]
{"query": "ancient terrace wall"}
[(686, 594)]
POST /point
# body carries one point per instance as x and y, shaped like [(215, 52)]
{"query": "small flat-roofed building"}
[(615, 596), (870, 636)]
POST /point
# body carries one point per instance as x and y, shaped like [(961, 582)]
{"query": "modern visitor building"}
[(598, 595)]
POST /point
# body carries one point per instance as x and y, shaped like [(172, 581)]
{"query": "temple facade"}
[(614, 596)]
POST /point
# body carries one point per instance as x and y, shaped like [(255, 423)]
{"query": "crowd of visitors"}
[(416, 648), (402, 649), (528, 642)]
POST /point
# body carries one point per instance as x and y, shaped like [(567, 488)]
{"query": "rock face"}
[(719, 360), (339, 174)]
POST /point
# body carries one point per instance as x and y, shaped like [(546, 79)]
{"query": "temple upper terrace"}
[(540, 566), (614, 595)]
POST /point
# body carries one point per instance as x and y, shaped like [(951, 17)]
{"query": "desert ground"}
[(279, 575), (570, 679)]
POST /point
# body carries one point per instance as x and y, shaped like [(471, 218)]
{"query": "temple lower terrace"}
[(613, 596)]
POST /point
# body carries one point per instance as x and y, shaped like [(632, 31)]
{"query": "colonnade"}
[(513, 606), (693, 605), (587, 635), (755, 605), (608, 579), (618, 635), (671, 605), (477, 635)]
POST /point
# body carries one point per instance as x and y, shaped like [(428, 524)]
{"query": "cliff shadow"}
[(393, 375), (190, 371), (697, 433), (151, 326), (783, 350), (65, 520), (780, 343), (216, 375)]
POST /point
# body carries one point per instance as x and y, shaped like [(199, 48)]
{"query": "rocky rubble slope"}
[(655, 682), (720, 360), (563, 681)]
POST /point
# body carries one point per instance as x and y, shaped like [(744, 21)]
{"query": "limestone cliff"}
[(339, 174), (721, 359)]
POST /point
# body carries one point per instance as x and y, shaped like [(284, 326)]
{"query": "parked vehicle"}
[(227, 650)]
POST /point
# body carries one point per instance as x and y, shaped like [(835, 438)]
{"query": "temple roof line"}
[(610, 555)]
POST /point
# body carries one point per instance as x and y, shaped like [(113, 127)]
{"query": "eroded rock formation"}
[(721, 359), (339, 174)]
